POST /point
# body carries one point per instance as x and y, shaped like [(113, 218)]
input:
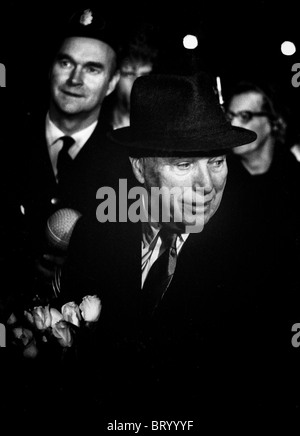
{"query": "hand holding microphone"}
[(59, 228)]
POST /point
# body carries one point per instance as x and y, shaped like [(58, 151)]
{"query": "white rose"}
[(62, 332), (41, 316), (90, 308), (56, 316), (70, 313)]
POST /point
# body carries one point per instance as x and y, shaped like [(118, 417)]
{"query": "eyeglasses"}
[(245, 116)]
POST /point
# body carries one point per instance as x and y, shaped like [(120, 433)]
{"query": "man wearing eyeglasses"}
[(251, 107)]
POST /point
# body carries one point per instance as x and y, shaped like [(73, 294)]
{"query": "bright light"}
[(288, 48), (190, 41)]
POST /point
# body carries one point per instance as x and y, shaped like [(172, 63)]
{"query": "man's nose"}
[(202, 177), (75, 77)]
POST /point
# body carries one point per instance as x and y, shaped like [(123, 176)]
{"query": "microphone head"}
[(60, 226)]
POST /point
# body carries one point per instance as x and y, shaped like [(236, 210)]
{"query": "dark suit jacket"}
[(220, 339), (41, 194), (94, 166)]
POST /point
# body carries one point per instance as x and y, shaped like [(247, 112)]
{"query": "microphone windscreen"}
[(60, 226)]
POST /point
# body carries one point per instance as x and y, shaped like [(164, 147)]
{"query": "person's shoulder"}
[(287, 167), (100, 142), (107, 160), (33, 132), (283, 156), (237, 173), (102, 128)]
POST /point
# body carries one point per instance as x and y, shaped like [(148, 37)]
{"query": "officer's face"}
[(81, 76), (200, 183)]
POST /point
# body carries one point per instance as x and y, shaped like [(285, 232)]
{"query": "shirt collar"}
[(149, 233), (150, 230), (53, 133)]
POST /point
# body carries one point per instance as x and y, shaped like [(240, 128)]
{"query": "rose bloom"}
[(55, 316), (62, 332), (41, 317), (90, 308), (23, 335), (70, 313)]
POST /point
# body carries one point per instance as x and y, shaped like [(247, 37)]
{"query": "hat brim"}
[(184, 145)]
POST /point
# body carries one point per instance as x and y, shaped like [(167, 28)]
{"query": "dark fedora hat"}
[(178, 114), (91, 23)]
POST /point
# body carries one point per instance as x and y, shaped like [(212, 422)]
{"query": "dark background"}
[(237, 39)]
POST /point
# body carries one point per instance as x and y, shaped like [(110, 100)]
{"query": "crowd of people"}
[(142, 316)]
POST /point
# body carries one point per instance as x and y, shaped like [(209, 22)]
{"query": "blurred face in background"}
[(245, 110), (130, 70)]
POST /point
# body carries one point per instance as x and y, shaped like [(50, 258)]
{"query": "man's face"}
[(81, 76), (130, 71), (252, 102), (201, 182)]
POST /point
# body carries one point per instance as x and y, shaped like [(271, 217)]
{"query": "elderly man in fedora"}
[(181, 332)]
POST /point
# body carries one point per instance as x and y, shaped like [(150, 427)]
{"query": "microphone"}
[(59, 229), (60, 226)]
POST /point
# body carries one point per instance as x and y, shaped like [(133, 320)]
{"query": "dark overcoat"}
[(220, 340)]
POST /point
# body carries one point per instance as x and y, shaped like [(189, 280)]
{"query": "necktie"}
[(160, 274), (64, 160)]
